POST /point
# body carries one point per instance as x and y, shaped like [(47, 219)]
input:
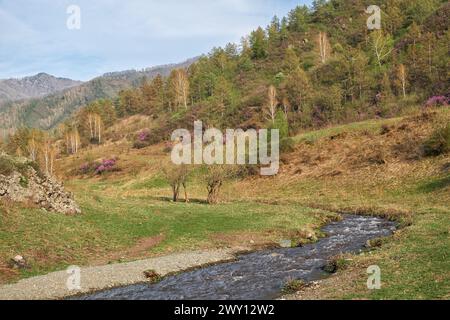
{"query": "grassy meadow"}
[(373, 167)]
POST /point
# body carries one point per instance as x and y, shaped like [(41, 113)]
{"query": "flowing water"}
[(259, 275)]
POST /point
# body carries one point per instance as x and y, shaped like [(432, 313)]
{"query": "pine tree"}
[(259, 44)]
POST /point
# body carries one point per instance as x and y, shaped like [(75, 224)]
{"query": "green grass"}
[(419, 267), (111, 224), (156, 182), (118, 211)]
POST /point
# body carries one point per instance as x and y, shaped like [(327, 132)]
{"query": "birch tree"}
[(272, 103), (382, 46), (324, 46), (401, 79), (32, 148), (286, 107), (98, 126), (90, 119), (49, 152), (180, 87)]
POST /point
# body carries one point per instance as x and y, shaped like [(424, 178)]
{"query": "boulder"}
[(18, 262)]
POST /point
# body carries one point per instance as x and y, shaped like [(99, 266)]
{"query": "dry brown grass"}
[(346, 152)]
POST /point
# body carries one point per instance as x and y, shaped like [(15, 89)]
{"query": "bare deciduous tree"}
[(324, 46), (214, 178), (272, 103), (286, 107), (177, 177), (32, 148), (90, 119), (73, 139), (98, 126), (180, 85), (49, 152), (401, 78)]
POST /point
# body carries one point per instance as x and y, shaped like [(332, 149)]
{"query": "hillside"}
[(35, 86), (373, 167), (47, 112), (364, 124), (311, 69)]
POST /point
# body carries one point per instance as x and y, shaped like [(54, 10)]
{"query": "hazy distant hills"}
[(43, 101), (39, 85)]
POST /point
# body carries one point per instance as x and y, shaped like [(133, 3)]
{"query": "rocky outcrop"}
[(40, 190)]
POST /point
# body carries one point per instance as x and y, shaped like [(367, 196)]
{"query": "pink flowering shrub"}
[(437, 101), (106, 166), (96, 167), (142, 139)]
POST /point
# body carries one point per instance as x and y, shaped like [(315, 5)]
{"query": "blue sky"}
[(119, 35)]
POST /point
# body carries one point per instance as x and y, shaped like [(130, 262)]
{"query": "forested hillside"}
[(317, 66), (35, 86), (46, 112)]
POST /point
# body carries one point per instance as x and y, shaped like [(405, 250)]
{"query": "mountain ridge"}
[(38, 85), (45, 112)]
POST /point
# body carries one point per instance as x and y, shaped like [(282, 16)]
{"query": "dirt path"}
[(54, 285)]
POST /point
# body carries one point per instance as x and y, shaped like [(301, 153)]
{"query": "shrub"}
[(336, 264), (437, 101), (7, 166), (214, 177), (108, 165), (177, 177), (152, 276), (95, 167), (142, 140), (287, 145), (327, 106), (293, 286), (438, 143)]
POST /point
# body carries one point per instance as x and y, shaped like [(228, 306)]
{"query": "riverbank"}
[(366, 168), (54, 285), (263, 274)]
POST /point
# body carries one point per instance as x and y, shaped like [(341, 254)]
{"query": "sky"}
[(116, 35)]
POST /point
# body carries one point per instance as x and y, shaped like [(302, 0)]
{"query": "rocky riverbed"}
[(260, 275)]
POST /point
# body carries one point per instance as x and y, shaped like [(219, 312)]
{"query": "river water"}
[(260, 275)]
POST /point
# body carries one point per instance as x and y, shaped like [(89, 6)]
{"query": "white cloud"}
[(118, 34)]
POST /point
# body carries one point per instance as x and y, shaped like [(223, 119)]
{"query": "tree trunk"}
[(213, 193), (176, 193), (186, 199)]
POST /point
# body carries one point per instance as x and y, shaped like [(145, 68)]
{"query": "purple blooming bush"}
[(88, 168), (437, 101), (96, 167), (142, 139), (108, 165)]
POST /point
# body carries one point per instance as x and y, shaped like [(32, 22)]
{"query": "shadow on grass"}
[(181, 200), (435, 185)]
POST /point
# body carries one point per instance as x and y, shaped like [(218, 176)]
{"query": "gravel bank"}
[(53, 285)]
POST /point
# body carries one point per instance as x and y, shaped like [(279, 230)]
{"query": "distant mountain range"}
[(36, 86), (43, 101)]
